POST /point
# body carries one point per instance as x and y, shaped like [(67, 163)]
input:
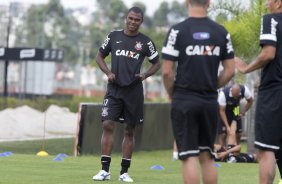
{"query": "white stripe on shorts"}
[(207, 148), (189, 152), (266, 145)]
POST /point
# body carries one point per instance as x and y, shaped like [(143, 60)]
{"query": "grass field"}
[(24, 167)]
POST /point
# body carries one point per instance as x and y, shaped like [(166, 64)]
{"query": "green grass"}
[(27, 168)]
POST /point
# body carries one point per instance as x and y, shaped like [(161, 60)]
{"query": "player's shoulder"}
[(207, 21), (219, 27), (116, 32), (269, 17), (181, 26), (144, 37)]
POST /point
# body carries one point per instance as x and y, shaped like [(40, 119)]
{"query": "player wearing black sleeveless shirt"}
[(198, 45), (268, 126), (124, 97)]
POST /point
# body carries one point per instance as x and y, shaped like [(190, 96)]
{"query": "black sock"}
[(105, 161), (125, 164), (278, 156)]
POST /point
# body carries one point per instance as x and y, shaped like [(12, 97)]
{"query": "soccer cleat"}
[(125, 178), (102, 176), (231, 159)]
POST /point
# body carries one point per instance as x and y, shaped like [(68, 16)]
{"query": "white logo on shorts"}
[(105, 111)]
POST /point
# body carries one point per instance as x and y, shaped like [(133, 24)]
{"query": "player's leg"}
[(106, 149), (221, 134), (221, 139), (267, 166), (127, 150), (209, 172), (185, 129), (190, 170), (231, 142), (278, 156), (231, 139), (107, 143), (239, 130), (110, 111), (268, 133), (133, 102), (207, 136), (175, 151), (238, 137), (127, 147)]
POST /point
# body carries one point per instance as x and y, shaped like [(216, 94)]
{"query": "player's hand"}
[(111, 77), (240, 65), (141, 76), (221, 155)]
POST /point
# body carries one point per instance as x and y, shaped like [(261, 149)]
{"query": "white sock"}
[(175, 155)]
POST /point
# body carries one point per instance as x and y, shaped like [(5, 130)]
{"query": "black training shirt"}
[(198, 45), (128, 54), (271, 34)]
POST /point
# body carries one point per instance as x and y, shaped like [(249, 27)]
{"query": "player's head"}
[(202, 3), (137, 10), (134, 19), (274, 6), (235, 90)]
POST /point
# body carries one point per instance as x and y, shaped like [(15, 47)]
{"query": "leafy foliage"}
[(244, 28)]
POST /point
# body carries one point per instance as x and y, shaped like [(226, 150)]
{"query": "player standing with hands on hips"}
[(124, 97), (268, 120), (198, 45)]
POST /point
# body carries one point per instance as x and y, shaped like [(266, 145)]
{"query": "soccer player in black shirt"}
[(268, 120), (198, 45), (124, 97)]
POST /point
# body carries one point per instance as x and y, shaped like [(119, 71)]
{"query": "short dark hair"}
[(136, 9), (198, 2)]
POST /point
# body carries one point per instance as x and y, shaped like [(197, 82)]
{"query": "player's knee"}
[(108, 127), (129, 133)]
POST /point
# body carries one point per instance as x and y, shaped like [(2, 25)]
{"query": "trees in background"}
[(50, 25), (47, 26)]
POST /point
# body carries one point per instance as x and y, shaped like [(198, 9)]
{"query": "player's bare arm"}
[(247, 106), (103, 66), (224, 118), (266, 55), (151, 71), (227, 73), (168, 76)]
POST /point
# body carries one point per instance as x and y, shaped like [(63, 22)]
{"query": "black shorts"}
[(221, 129), (194, 122), (268, 120), (124, 104)]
